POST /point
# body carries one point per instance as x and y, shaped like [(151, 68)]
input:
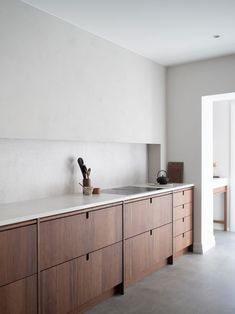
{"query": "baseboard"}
[(203, 247)]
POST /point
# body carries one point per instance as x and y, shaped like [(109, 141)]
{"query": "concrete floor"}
[(195, 284)]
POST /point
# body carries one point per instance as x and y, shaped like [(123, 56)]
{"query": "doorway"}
[(207, 157)]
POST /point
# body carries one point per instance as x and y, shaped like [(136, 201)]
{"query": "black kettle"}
[(161, 178)]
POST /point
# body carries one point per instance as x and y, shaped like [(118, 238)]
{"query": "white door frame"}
[(207, 234)]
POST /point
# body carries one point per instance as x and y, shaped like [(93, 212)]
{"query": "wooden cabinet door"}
[(144, 251), (67, 286), (138, 256), (182, 211), (105, 227), (182, 225), (162, 243), (66, 238), (183, 240), (144, 215), (18, 253), (62, 239), (161, 210), (137, 217), (182, 197), (19, 297)]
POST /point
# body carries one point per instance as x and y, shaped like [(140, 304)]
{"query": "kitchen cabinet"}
[(183, 220), (148, 235), (67, 286), (19, 297), (144, 215), (182, 197), (18, 253), (183, 240), (162, 243), (138, 259), (66, 238), (68, 262), (146, 250)]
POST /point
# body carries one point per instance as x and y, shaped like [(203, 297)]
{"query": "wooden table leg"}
[(225, 209)]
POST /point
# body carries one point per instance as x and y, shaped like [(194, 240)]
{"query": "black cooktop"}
[(129, 190)]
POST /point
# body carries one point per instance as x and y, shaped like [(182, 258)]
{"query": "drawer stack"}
[(80, 258), (148, 235), (18, 270), (182, 220)]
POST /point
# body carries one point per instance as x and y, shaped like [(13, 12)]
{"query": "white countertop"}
[(24, 211), (219, 182)]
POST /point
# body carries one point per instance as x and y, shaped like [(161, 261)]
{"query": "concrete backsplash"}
[(35, 169)]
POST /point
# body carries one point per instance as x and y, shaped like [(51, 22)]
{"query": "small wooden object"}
[(96, 191), (175, 172), (224, 190)]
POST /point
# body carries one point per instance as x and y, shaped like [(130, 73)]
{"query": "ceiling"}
[(166, 31)]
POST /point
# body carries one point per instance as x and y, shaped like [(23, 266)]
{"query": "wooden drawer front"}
[(182, 241), (105, 227), (162, 243), (70, 237), (182, 225), (137, 217), (138, 251), (18, 253), (143, 251), (182, 197), (161, 210), (19, 297), (67, 286), (183, 211)]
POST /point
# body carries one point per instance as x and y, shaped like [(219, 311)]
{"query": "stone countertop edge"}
[(18, 212)]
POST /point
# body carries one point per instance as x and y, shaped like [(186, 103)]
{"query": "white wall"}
[(60, 82), (221, 137), (36, 169), (221, 152), (186, 84)]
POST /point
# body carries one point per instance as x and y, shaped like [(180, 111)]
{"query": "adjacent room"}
[(117, 157)]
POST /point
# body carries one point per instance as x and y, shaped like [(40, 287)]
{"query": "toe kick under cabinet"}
[(69, 262)]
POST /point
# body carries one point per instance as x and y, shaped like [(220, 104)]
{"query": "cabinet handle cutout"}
[(87, 257), (183, 206), (151, 232), (183, 235), (151, 200), (183, 219), (87, 215)]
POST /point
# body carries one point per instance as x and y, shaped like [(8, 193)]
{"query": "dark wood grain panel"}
[(70, 237), (137, 217), (63, 239), (18, 253), (105, 227), (138, 255), (182, 197), (162, 243), (146, 250), (182, 225), (183, 240), (161, 210), (67, 286), (19, 297), (182, 211)]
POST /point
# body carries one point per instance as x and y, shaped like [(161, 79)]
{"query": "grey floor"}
[(195, 284)]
